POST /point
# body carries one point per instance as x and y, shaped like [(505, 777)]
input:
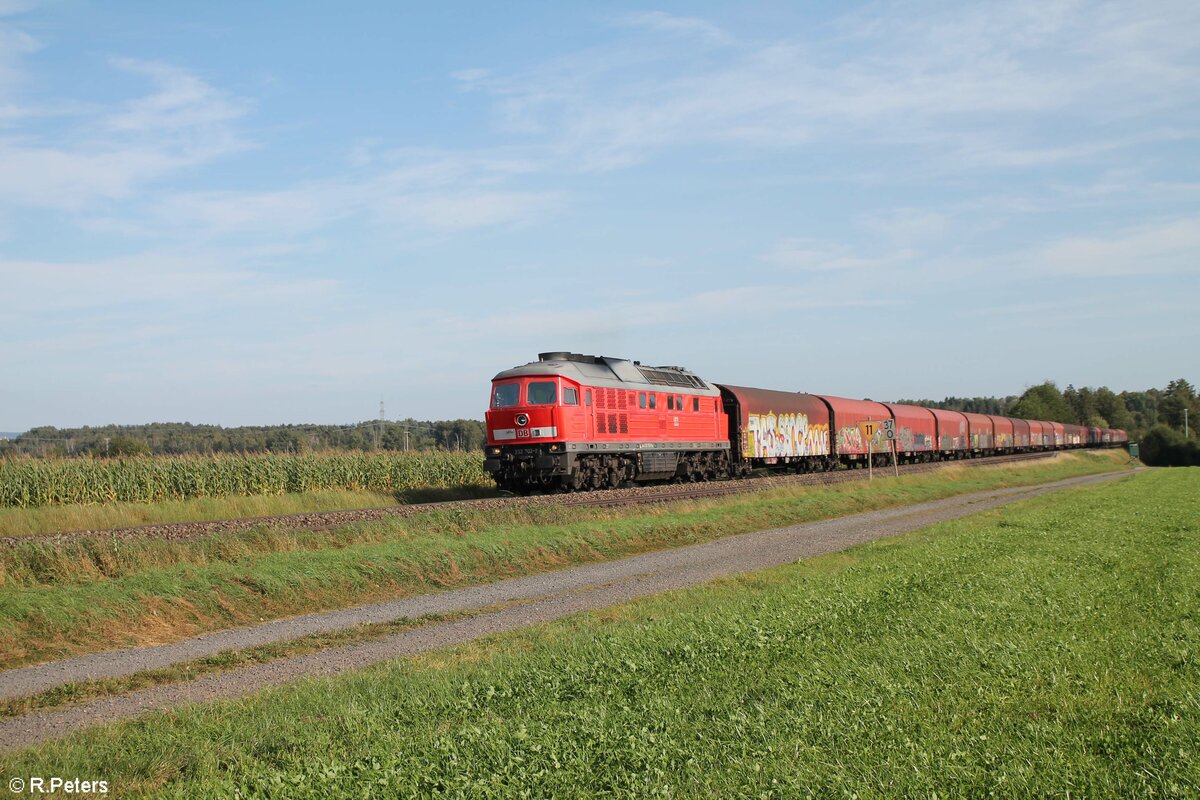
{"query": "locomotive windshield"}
[(507, 394), (542, 393)]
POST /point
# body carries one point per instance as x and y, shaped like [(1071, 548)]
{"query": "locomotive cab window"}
[(506, 394), (541, 393), (587, 397), (570, 396)]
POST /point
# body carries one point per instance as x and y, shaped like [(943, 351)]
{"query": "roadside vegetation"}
[(1166, 447), (37, 482), (57, 519), (1043, 649), (62, 598)]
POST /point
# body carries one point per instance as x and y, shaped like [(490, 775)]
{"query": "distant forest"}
[(171, 438), (1162, 421), (1135, 412), (1157, 411)]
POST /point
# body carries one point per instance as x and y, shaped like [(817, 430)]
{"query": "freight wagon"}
[(574, 422)]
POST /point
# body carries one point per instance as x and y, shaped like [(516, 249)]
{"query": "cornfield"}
[(32, 482)]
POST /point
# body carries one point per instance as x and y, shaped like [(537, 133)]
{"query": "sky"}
[(259, 213)]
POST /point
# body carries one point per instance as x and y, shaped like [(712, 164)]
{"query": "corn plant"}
[(32, 482)]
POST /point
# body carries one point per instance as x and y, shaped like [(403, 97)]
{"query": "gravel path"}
[(533, 599)]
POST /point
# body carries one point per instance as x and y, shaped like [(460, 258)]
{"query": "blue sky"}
[(259, 213)]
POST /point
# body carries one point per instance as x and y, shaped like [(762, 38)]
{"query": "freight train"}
[(574, 422)]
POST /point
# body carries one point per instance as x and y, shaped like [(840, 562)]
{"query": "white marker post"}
[(889, 430)]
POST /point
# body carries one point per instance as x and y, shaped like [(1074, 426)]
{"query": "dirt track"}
[(533, 599)]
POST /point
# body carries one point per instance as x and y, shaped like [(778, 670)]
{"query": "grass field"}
[(59, 599), (1044, 649), (79, 517)]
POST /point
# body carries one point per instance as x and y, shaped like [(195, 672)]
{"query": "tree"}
[(1112, 409), (1178, 397), (1043, 402), (1143, 408), (1166, 447), (122, 446)]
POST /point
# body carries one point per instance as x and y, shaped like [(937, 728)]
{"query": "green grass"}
[(81, 691), (1047, 649), (54, 519), (59, 599), (57, 519)]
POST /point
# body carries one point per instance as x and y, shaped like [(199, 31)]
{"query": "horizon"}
[(219, 213), (390, 419)]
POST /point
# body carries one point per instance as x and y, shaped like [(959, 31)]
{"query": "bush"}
[(1166, 447)]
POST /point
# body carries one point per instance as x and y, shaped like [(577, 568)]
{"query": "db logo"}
[(522, 433)]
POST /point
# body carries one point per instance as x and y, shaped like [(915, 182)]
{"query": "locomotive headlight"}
[(556, 448), (522, 419), (493, 451)]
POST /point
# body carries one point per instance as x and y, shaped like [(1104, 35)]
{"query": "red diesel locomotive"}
[(585, 422), (572, 422)]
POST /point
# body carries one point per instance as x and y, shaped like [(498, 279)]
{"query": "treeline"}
[(1154, 417), (1141, 413), (974, 405), (179, 438)]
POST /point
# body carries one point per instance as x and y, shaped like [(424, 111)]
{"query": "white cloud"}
[(1164, 248), (10, 8), (151, 280), (906, 75), (14, 45), (663, 22), (470, 75), (106, 154), (908, 226), (810, 255), (182, 102), (425, 189)]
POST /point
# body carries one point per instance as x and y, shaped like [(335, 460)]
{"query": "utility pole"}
[(379, 427), (1185, 427)]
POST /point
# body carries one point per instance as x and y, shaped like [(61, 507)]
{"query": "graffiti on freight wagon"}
[(851, 440), (778, 435)]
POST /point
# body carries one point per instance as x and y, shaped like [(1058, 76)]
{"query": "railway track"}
[(638, 495)]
